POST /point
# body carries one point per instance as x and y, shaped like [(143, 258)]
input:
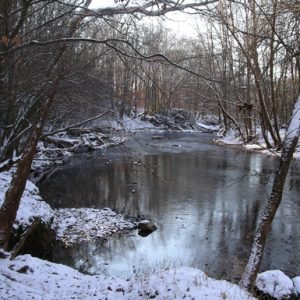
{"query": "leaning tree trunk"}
[(289, 145), (8, 210)]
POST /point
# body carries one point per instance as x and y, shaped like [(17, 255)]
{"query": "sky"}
[(178, 22)]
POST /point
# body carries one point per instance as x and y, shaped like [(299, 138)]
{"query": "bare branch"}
[(77, 124), (109, 43), (147, 9)]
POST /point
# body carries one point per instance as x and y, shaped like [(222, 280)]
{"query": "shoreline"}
[(26, 269)]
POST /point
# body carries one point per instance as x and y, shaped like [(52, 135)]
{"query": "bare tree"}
[(264, 226), (27, 42), (13, 195)]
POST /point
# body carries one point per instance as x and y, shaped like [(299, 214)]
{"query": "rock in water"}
[(146, 227)]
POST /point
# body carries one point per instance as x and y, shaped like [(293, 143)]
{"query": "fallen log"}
[(59, 142), (18, 247)]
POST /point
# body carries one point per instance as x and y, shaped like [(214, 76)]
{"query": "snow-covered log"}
[(60, 142), (76, 125), (289, 146)]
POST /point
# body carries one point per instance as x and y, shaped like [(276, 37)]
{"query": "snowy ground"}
[(31, 204), (74, 225), (136, 124), (49, 155), (128, 124), (27, 277), (277, 284), (232, 138)]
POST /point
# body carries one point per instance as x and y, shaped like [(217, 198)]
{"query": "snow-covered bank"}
[(175, 120), (232, 138), (74, 225), (31, 205), (71, 225), (276, 284), (57, 149), (146, 292), (27, 277)]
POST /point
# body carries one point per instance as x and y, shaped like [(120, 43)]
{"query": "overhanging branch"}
[(149, 8), (110, 43)]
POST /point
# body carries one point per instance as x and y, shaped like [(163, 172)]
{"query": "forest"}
[(68, 63)]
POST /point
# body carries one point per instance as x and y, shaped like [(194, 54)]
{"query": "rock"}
[(296, 281), (146, 227), (276, 284), (175, 119)]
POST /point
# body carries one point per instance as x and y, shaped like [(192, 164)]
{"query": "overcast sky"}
[(102, 3), (178, 22)]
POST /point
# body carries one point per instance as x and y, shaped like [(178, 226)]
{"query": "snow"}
[(74, 225), (31, 204), (134, 124), (27, 277), (294, 126), (296, 281), (289, 135), (276, 284), (261, 148), (127, 124), (208, 127), (231, 138), (254, 147), (9, 161)]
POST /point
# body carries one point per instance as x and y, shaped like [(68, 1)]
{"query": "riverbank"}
[(35, 277), (27, 277), (231, 138)]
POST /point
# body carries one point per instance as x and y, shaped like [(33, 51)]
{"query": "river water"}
[(205, 200)]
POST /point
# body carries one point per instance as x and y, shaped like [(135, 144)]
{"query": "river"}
[(204, 198)]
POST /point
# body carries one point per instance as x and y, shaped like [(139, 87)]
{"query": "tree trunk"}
[(289, 145), (8, 210)]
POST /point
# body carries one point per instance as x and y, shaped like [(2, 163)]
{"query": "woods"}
[(64, 63), (243, 65)]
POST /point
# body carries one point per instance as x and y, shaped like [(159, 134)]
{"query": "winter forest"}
[(149, 149)]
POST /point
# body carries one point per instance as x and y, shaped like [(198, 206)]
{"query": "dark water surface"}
[(204, 198)]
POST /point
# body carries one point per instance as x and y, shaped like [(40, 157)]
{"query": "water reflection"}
[(205, 203)]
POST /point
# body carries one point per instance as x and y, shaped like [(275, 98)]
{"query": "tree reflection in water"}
[(205, 200)]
